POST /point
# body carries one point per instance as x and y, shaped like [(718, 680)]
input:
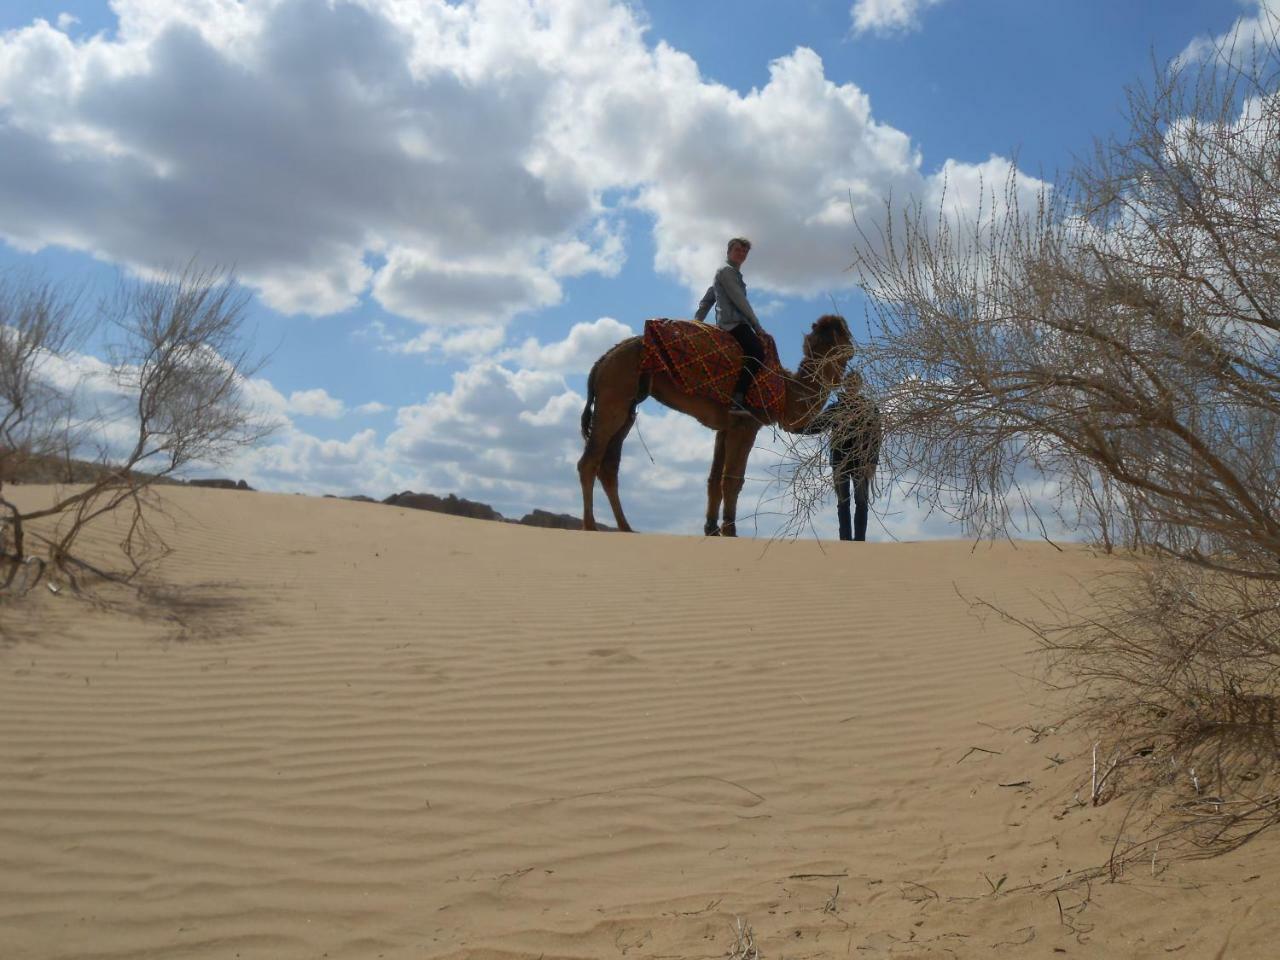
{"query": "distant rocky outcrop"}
[(32, 469), (454, 505), (460, 507), (556, 521), (219, 483)]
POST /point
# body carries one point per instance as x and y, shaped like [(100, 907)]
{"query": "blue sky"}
[(446, 211)]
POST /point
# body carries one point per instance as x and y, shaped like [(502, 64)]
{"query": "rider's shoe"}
[(739, 407)]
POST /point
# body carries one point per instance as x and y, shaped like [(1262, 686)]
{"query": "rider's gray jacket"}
[(729, 294)]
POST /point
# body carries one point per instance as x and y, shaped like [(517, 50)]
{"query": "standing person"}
[(854, 422), (855, 454), (734, 315)]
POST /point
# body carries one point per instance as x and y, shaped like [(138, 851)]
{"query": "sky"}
[(446, 211)]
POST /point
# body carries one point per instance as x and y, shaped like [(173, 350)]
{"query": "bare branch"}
[(179, 364)]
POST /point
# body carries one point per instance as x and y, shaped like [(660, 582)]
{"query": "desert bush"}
[(173, 382), (1105, 357), (1175, 672)]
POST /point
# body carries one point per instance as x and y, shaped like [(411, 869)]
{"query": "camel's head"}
[(828, 347), (829, 340)]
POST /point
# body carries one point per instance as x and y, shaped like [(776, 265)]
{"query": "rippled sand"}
[(347, 730)]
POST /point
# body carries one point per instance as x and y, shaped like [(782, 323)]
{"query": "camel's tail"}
[(642, 386), (589, 408)]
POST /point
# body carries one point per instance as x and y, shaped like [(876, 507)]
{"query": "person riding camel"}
[(728, 292)]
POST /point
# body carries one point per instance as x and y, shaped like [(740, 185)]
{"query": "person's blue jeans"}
[(857, 529)]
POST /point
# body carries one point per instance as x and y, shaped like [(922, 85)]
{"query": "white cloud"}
[(461, 293), (583, 346), (1247, 34), (471, 343), (507, 437), (888, 16), (75, 372), (788, 165), (294, 137), (454, 161), (559, 410), (372, 407), (576, 257), (316, 403), (295, 461)]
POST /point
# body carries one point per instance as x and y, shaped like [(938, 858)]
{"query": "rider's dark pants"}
[(752, 357)]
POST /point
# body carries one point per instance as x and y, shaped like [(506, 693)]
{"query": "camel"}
[(616, 386)]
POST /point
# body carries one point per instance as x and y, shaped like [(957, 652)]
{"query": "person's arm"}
[(704, 306), (730, 285), (820, 423)]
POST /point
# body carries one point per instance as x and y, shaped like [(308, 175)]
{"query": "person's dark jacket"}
[(855, 436)]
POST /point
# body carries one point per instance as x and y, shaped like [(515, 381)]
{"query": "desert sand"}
[(347, 730)]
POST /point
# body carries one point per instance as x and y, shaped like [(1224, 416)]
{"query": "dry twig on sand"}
[(744, 942), (832, 906)]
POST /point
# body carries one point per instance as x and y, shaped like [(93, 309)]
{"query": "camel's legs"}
[(609, 472), (715, 488), (738, 444), (607, 421)]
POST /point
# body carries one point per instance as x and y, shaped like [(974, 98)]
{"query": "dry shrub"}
[(170, 395), (1106, 358), (1177, 673)]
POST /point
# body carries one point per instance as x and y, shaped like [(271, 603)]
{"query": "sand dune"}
[(346, 730)]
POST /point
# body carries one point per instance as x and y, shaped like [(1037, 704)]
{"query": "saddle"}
[(705, 361)]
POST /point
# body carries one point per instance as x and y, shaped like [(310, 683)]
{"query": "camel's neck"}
[(807, 391)]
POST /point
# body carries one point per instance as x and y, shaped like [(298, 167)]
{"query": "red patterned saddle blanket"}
[(704, 360)]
